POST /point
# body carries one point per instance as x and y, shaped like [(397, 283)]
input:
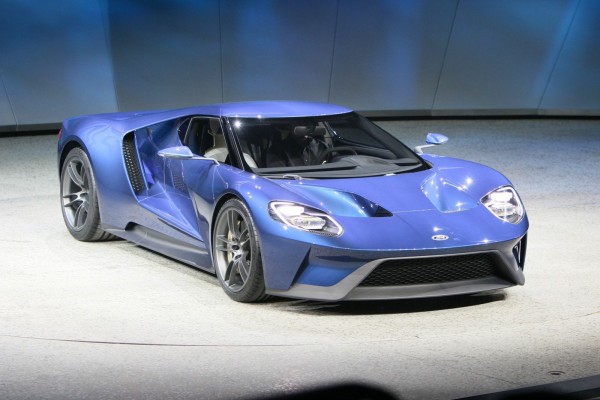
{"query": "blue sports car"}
[(293, 199)]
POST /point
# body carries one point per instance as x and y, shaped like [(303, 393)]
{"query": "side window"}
[(197, 137), (182, 129), (204, 137)]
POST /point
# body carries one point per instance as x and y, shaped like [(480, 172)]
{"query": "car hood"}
[(451, 185)]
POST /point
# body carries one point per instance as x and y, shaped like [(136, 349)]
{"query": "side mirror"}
[(178, 153), (182, 153), (432, 139), (436, 138)]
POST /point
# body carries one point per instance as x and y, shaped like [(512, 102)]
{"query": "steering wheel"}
[(348, 149)]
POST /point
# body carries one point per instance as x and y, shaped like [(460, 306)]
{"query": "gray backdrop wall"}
[(384, 57)]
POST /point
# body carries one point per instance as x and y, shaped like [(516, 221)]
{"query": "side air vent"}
[(132, 163), (178, 182)]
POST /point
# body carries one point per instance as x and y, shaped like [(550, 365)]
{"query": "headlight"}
[(304, 218), (505, 204)]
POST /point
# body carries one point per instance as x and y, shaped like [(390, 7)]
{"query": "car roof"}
[(128, 121), (276, 109)]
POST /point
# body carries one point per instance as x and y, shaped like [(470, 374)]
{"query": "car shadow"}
[(381, 307)]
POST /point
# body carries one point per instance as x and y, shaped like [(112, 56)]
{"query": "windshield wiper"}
[(405, 161), (292, 176), (283, 176), (297, 170)]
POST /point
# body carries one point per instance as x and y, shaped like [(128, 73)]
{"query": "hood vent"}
[(338, 202), (382, 212)]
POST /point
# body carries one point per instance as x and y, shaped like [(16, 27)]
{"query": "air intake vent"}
[(417, 271), (519, 252), (132, 163), (178, 182), (382, 212)]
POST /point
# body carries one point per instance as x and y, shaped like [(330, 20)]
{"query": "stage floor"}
[(113, 320)]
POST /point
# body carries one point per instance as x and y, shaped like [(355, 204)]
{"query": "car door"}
[(165, 192), (191, 181)]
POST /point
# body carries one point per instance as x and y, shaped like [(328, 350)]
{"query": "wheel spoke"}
[(75, 198), (228, 271), (224, 244), (72, 202), (84, 179), (244, 232), (80, 215), (243, 229), (244, 269), (232, 222), (74, 175)]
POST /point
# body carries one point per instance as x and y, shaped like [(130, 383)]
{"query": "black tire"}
[(79, 200), (236, 253)]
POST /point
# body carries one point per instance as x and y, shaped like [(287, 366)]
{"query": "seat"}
[(274, 155), (219, 149), (302, 147), (217, 153), (249, 160)]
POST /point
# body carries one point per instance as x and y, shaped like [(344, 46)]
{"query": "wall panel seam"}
[(562, 45), (221, 52), (437, 85), (335, 28), (105, 19), (12, 109)]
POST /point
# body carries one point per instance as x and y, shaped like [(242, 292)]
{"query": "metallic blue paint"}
[(177, 220)]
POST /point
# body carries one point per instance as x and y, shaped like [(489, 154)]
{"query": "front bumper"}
[(483, 268)]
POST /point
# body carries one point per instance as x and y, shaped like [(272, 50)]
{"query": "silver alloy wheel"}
[(233, 249), (75, 194)]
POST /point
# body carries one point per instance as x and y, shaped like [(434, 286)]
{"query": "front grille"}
[(416, 271)]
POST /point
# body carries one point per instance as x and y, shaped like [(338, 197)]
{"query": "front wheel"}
[(236, 253), (79, 199)]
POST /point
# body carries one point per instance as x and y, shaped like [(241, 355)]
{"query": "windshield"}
[(338, 146)]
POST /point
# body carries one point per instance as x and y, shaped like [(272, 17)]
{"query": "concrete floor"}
[(113, 320)]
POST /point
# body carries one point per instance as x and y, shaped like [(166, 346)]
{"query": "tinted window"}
[(308, 145)]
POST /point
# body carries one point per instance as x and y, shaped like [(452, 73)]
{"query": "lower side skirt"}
[(194, 255)]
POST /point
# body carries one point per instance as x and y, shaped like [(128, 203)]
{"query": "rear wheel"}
[(236, 253), (79, 199)]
